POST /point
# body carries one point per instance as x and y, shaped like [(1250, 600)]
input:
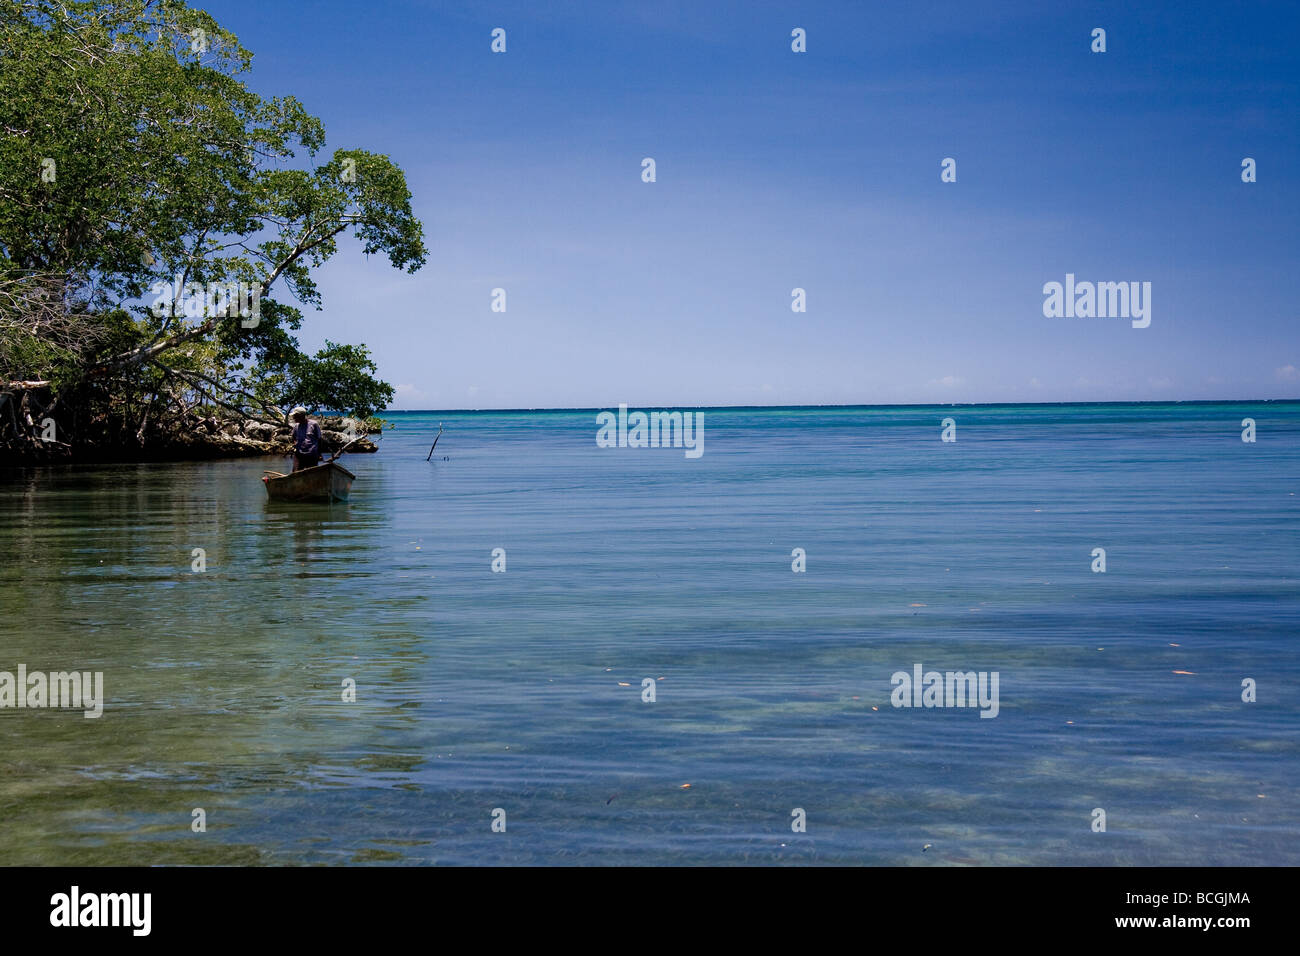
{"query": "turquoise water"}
[(478, 690)]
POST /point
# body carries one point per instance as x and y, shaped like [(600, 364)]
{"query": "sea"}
[(527, 649)]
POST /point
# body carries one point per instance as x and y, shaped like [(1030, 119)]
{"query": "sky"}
[(819, 170)]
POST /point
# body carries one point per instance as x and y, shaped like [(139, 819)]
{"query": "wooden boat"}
[(325, 482)]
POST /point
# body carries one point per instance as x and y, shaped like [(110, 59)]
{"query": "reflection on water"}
[(522, 690)]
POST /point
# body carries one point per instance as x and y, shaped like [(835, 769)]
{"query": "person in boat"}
[(306, 439)]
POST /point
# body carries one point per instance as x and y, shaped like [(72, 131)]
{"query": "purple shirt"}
[(306, 438)]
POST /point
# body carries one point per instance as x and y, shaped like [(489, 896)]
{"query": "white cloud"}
[(1287, 373), (404, 394), (948, 381)]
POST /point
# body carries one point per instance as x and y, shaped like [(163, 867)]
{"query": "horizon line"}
[(596, 408)]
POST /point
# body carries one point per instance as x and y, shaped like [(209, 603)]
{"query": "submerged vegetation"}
[(159, 229)]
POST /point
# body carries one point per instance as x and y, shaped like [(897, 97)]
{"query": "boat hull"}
[(328, 482)]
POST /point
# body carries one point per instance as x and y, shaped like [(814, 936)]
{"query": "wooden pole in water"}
[(435, 441), (348, 445)]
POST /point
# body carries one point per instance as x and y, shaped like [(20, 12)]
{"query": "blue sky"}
[(818, 170)]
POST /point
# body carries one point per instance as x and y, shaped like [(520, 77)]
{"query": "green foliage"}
[(338, 378), (131, 152)]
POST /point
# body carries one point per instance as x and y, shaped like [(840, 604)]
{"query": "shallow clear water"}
[(479, 690)]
